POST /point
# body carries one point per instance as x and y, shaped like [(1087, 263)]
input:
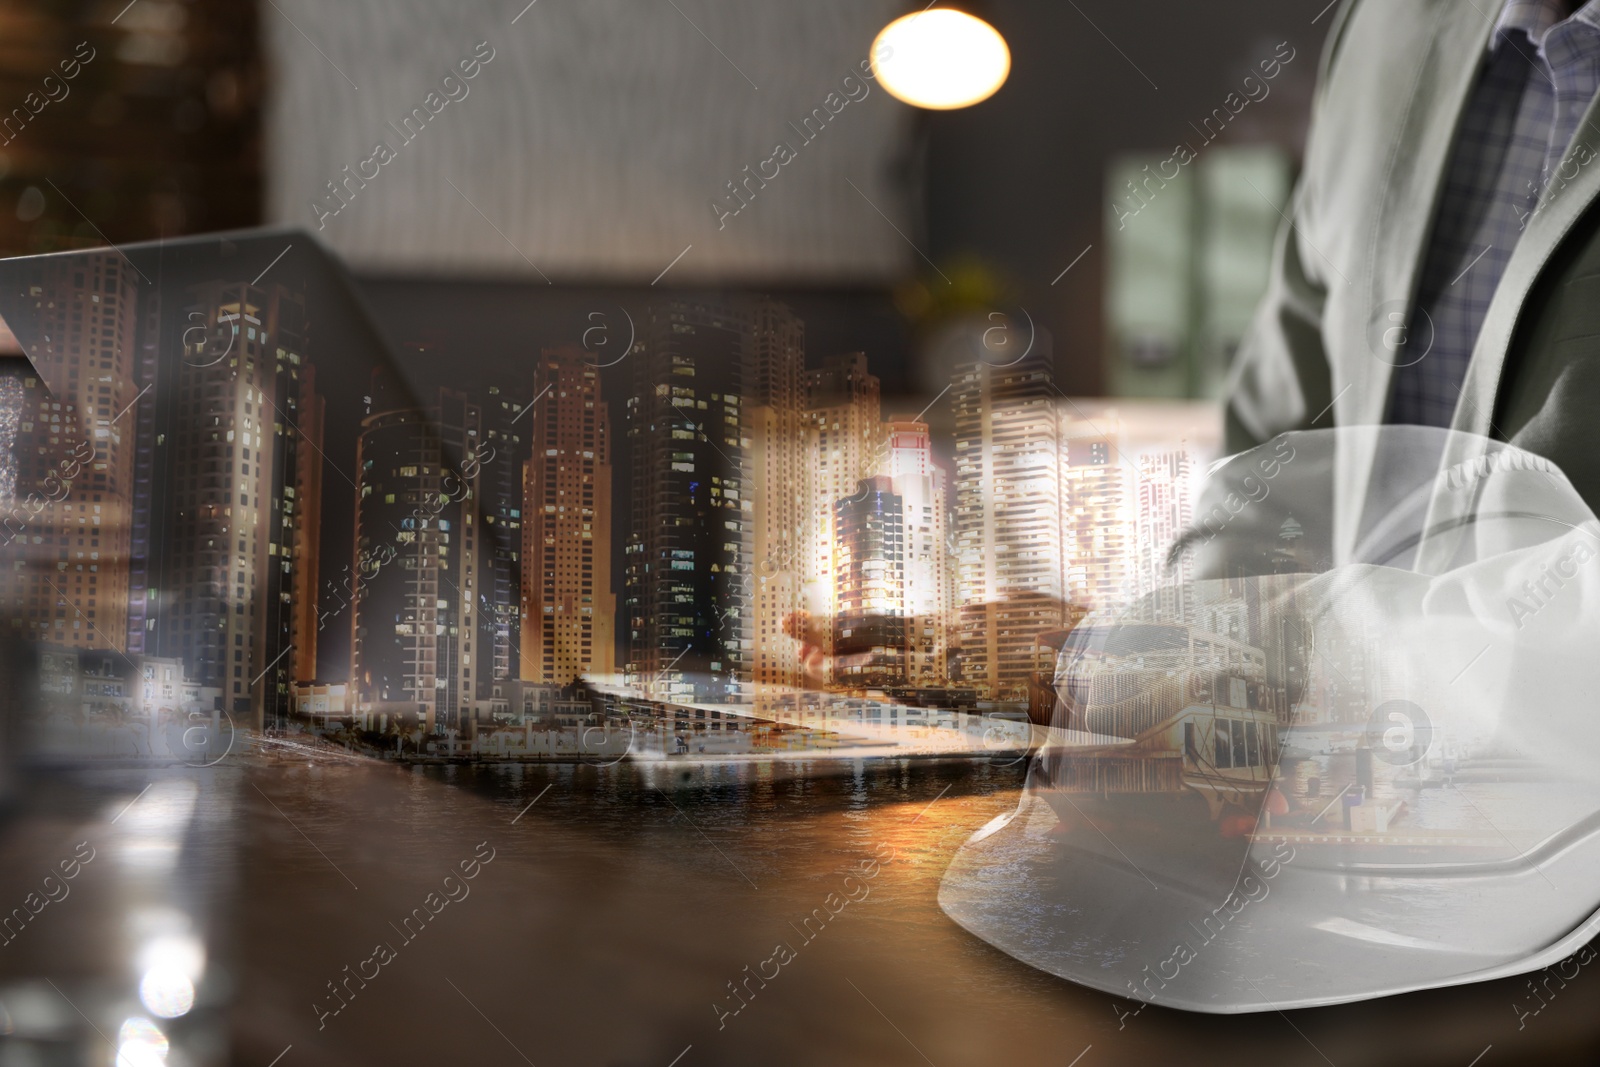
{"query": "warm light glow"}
[(940, 59)]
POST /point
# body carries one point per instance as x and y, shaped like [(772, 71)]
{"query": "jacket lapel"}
[(1559, 210), (1418, 165), (1419, 154)]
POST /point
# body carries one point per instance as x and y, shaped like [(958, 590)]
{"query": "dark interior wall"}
[(124, 122), (1017, 181)]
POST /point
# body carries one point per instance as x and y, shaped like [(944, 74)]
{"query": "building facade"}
[(780, 491), (415, 648), (844, 435), (505, 427), (70, 514), (567, 603), (929, 603), (869, 568), (1011, 566), (1097, 531), (1164, 509), (236, 589), (687, 568)]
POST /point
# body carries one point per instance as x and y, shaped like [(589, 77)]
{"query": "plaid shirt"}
[(1534, 87)]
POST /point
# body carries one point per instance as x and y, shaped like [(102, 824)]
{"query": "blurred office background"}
[(591, 147), (587, 156)]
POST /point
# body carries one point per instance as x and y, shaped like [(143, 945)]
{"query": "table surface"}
[(629, 914)]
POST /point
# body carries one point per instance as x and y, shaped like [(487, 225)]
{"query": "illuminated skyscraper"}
[(845, 442), (688, 567), (1164, 510), (506, 424), (414, 652), (238, 576), (869, 623), (147, 519), (303, 505), (15, 370), (1096, 529), (66, 576), (929, 590), (774, 355), (568, 607), (1011, 567)]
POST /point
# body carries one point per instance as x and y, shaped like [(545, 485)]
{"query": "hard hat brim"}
[(1287, 933)]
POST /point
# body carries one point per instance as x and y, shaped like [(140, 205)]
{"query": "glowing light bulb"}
[(940, 59)]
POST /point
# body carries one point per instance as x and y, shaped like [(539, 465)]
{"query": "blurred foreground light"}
[(180, 954), (171, 966), (940, 59), (167, 993), (140, 1043)]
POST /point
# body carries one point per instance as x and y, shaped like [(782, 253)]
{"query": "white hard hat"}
[(1301, 775)]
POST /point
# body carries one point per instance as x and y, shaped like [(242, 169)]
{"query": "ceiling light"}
[(940, 58)]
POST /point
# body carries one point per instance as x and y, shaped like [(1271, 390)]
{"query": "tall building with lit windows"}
[(774, 356), (687, 569), (15, 370), (929, 591), (505, 429), (69, 513), (1163, 510), (844, 438), (146, 520), (302, 518), (1011, 568), (415, 645), (1096, 526), (869, 567), (568, 607), (237, 579), (893, 579)]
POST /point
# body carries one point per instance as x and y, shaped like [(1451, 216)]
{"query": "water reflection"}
[(621, 902), (112, 966)]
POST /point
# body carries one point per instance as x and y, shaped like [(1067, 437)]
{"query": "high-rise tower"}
[(147, 519), (779, 481), (1164, 511), (869, 624), (568, 607), (1095, 524), (505, 428), (1012, 573), (688, 567), (415, 646), (929, 591), (67, 558), (243, 467), (845, 445)]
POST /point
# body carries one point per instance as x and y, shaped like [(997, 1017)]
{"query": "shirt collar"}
[(1535, 17)]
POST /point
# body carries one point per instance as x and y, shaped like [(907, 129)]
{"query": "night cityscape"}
[(701, 534), (451, 561)]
